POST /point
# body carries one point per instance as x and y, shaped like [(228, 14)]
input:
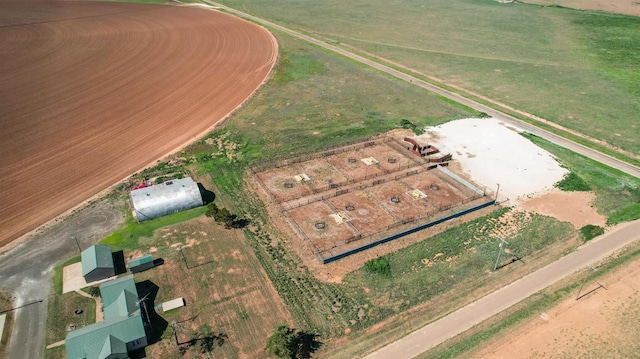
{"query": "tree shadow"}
[(207, 196), (240, 223), (306, 344)]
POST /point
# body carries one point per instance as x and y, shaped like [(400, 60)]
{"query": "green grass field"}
[(575, 68)]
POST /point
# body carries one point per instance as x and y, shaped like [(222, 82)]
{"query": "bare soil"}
[(625, 7), (603, 324), (572, 207), (92, 92)]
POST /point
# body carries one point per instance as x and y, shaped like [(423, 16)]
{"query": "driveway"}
[(26, 271)]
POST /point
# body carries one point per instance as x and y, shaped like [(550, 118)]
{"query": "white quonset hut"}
[(169, 197)]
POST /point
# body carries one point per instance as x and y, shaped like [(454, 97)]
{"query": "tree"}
[(212, 210), (286, 343), (224, 216), (281, 342)]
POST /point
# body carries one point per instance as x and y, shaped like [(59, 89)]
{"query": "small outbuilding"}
[(141, 264), (166, 198), (97, 263)]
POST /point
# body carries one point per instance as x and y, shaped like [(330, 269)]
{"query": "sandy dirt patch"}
[(603, 324), (572, 207), (72, 279), (91, 92), (626, 7)]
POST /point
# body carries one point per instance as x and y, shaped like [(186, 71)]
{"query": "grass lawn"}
[(575, 68)]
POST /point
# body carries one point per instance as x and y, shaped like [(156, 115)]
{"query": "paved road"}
[(26, 272), (457, 322), (588, 152)]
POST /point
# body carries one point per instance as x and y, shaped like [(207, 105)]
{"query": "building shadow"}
[(207, 196), (155, 324), (118, 262)]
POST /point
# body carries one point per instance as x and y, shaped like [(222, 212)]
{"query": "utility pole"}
[(502, 243), (497, 191), (77, 243)]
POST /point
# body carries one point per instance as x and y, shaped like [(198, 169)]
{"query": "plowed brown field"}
[(92, 92)]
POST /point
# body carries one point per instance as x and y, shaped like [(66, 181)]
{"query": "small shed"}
[(140, 264), (97, 263), (166, 198)]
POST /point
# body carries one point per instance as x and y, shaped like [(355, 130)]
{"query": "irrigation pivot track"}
[(558, 140)]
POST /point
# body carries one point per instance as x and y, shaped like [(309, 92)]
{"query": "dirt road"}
[(457, 322), (588, 152)]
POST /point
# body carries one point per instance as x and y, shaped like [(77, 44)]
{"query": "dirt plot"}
[(440, 191), (603, 324), (283, 184), (91, 92), (364, 212), (360, 193), (331, 235)]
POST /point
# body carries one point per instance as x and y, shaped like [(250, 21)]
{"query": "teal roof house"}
[(122, 330), (97, 263)]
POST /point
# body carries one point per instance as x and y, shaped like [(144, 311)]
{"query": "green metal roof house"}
[(97, 263), (122, 330)]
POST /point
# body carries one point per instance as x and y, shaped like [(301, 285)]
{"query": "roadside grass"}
[(617, 194), (465, 344), (6, 304), (577, 68), (128, 237)]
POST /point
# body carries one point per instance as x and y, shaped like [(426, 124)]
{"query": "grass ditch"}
[(464, 344), (6, 304)]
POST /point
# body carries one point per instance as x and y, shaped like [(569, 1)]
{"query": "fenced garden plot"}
[(351, 196)]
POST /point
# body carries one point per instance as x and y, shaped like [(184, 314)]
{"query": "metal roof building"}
[(97, 263), (169, 197), (122, 330)]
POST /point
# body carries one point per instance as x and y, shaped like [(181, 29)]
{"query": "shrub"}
[(379, 266), (591, 231), (573, 182)]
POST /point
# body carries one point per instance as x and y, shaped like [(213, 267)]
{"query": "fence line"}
[(349, 146), (297, 228), (405, 233)]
